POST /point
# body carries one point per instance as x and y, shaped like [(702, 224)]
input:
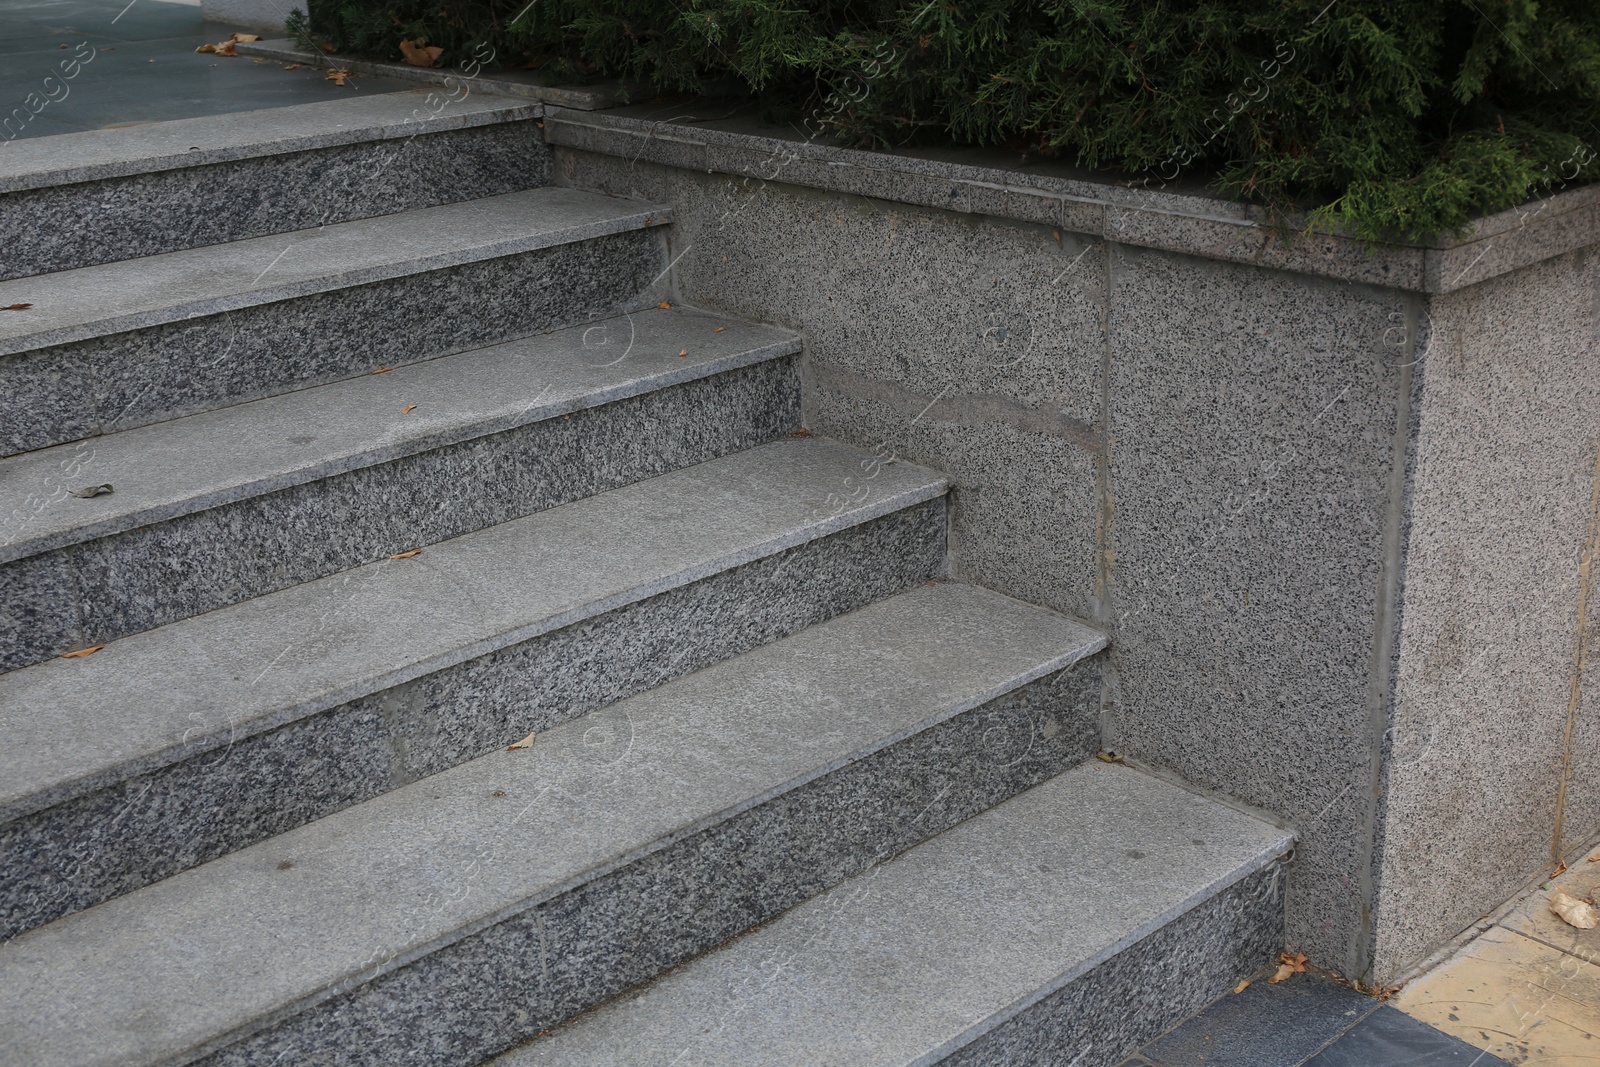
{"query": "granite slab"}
[(370, 898), (936, 950)]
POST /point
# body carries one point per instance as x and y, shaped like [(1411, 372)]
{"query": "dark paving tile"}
[(1389, 1038), (1265, 1026)]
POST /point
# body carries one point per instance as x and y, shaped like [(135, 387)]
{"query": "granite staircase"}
[(473, 657)]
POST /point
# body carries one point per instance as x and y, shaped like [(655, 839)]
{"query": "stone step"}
[(450, 919), (171, 747), (1066, 926), (78, 199), (215, 508), (119, 345)]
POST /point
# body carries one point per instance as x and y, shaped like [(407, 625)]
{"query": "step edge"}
[(388, 451), (506, 110), (22, 805), (646, 216), (1271, 851), (443, 940)]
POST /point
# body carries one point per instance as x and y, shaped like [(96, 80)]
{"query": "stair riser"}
[(157, 574), (66, 226), (504, 984), (137, 830), (69, 392), (1102, 1016)]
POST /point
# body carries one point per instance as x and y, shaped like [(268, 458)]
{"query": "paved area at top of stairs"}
[(143, 68)]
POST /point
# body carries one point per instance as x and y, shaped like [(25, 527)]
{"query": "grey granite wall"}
[(1233, 467), (1490, 711)]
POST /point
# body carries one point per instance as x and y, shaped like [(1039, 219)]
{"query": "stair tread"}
[(228, 947), (93, 155), (74, 725), (917, 957), (73, 305), (216, 457)]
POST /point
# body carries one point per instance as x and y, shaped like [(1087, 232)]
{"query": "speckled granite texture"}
[(1502, 502), (129, 379), (979, 354), (156, 574), (1100, 1017), (65, 226), (149, 827), (451, 1007)]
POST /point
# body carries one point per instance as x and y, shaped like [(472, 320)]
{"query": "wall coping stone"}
[(1192, 222)]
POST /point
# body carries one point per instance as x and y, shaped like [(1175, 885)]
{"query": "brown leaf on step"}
[(337, 75), (420, 55), (801, 432), (225, 48), (1244, 983), (206, 48), (247, 38), (406, 555), (383, 370), (663, 305), (16, 307), (408, 409), (294, 66), (1592, 859), (1574, 912), (684, 352), (526, 742), (718, 329), (1289, 963), (92, 490), (82, 652), (1561, 868)]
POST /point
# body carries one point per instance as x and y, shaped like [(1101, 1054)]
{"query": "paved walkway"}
[(142, 68)]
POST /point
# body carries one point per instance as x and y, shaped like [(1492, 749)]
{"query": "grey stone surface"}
[(180, 144), (166, 372), (670, 796), (220, 457), (150, 826), (507, 82), (62, 227), (1012, 927), (196, 686), (1254, 417), (980, 353), (1186, 220), (262, 16), (208, 559), (1502, 508), (180, 286)]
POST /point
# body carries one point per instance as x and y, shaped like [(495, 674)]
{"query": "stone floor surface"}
[(143, 67)]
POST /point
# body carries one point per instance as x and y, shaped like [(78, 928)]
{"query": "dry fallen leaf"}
[(406, 555), (1574, 912), (294, 66), (206, 48), (1561, 868), (1244, 983), (526, 742), (247, 38), (1289, 963), (1107, 757), (408, 409), (337, 75), (663, 305), (718, 329), (684, 352), (16, 307), (419, 55), (1592, 859), (383, 370), (92, 490), (82, 652)]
